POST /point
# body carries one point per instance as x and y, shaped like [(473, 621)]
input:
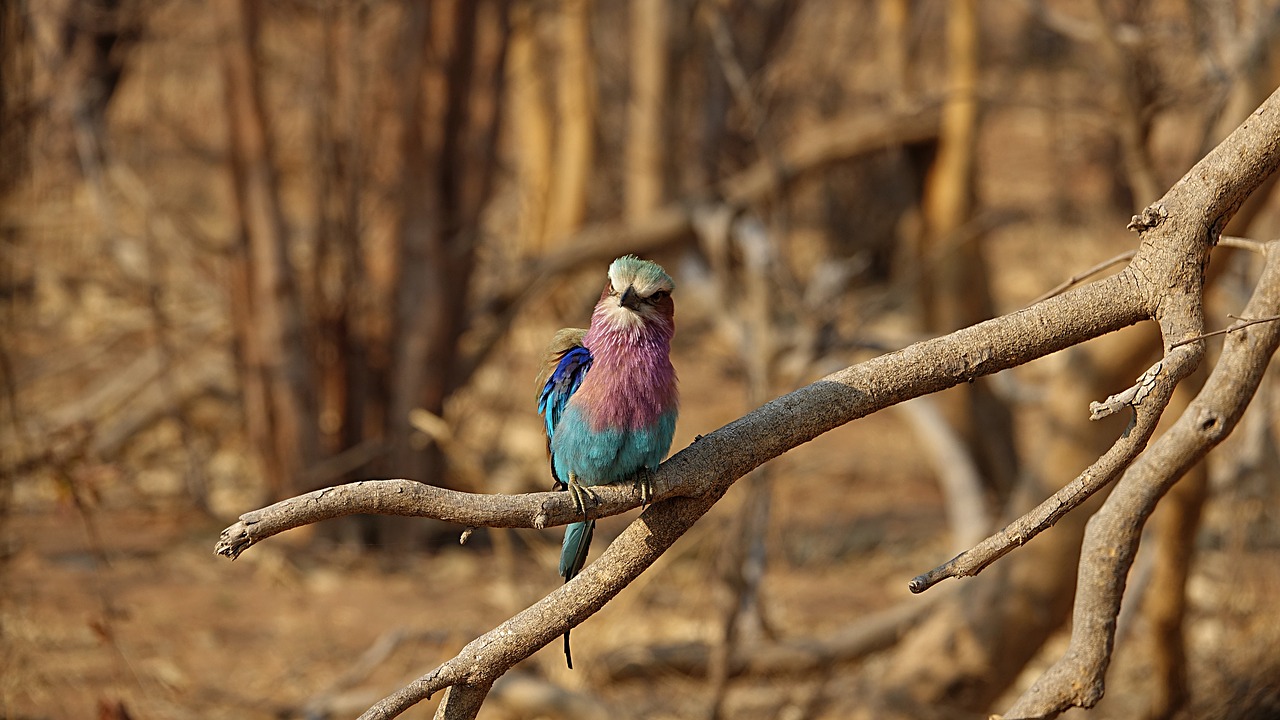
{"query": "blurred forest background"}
[(251, 249)]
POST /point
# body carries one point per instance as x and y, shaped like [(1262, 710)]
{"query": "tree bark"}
[(645, 147)]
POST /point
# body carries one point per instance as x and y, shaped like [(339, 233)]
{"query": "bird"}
[(608, 397)]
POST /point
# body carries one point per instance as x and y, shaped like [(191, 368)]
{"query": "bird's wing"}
[(563, 367)]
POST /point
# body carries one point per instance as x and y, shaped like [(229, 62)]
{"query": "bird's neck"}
[(611, 343)]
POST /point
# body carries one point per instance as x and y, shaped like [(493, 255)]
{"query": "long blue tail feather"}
[(573, 553), (573, 556)]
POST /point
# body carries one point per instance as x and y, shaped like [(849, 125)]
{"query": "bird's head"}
[(638, 293)]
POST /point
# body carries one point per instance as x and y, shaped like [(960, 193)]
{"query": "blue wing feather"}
[(563, 383)]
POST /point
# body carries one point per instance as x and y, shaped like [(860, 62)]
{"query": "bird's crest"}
[(644, 276)]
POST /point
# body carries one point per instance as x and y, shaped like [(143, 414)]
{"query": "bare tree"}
[(446, 109), (1163, 283), (276, 372)]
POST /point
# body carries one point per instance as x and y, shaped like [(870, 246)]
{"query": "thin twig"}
[(1240, 243), (1244, 323), (1079, 277)]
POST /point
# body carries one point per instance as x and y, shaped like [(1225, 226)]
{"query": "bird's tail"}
[(573, 555)]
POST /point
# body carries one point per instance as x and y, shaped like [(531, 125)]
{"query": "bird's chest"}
[(624, 401)]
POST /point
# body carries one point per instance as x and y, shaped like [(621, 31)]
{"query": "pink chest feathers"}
[(631, 383)]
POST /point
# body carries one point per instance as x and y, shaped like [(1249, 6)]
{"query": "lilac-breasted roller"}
[(608, 396)]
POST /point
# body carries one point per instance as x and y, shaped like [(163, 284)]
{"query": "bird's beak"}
[(630, 299)]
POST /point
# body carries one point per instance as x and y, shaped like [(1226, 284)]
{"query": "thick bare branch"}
[(1179, 230)]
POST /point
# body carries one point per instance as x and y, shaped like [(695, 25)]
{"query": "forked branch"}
[(1112, 537)]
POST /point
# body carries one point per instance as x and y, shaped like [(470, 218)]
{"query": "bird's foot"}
[(643, 483), (580, 494)]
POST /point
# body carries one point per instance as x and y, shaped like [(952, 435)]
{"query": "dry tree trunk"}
[(530, 123), (276, 371), (962, 296), (420, 237), (449, 121), (894, 19), (451, 56), (333, 281), (17, 58), (645, 147), (576, 105)]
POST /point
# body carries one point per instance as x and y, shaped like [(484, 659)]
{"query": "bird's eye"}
[(658, 296)]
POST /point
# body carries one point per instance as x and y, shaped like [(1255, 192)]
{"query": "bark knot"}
[(1151, 217)]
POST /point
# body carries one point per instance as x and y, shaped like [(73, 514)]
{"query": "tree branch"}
[(410, 498)]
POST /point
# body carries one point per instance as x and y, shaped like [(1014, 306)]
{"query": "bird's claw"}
[(580, 494), (644, 485)]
